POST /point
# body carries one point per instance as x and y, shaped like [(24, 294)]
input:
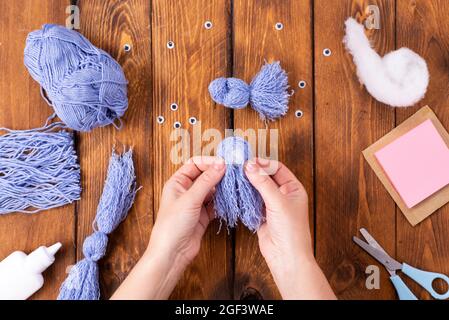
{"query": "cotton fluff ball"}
[(399, 79)]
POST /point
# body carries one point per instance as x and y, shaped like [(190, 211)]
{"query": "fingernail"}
[(251, 167), (219, 165), (263, 162)]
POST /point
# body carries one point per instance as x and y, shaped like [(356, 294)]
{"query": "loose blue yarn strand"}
[(268, 92), (85, 86), (39, 169), (118, 196), (235, 198)]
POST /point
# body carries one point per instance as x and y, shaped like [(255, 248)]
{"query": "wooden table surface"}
[(323, 148)]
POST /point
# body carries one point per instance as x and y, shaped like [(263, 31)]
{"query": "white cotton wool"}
[(399, 79)]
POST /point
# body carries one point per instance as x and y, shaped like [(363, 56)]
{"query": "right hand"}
[(286, 233), (284, 239)]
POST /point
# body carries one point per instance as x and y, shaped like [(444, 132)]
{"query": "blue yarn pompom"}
[(267, 93), (117, 198), (86, 86), (235, 198)]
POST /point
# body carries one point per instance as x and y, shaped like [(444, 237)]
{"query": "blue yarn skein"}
[(117, 198), (235, 198), (267, 93), (39, 169), (86, 86)]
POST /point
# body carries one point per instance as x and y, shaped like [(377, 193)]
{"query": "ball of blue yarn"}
[(86, 86), (268, 92)]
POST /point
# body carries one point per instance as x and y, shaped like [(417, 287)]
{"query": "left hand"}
[(181, 222), (186, 210)]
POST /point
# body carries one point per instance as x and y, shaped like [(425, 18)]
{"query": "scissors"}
[(424, 278)]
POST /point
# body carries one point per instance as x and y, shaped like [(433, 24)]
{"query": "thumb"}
[(203, 185), (258, 177)]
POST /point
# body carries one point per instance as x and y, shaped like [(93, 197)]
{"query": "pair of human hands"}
[(186, 210)]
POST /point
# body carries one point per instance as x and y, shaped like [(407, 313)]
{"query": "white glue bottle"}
[(21, 274)]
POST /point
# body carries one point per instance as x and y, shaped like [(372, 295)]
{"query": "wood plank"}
[(422, 26), (255, 40), (21, 107), (347, 120), (110, 25), (182, 75)]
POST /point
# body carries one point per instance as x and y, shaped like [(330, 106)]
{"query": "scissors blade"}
[(379, 255), (371, 241)]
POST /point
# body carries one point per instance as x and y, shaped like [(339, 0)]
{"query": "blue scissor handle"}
[(425, 279), (403, 291)]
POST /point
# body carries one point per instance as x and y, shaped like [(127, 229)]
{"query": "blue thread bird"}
[(267, 93)]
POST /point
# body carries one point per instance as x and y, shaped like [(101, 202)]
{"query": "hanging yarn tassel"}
[(86, 86), (268, 92), (235, 198), (117, 198), (38, 169)]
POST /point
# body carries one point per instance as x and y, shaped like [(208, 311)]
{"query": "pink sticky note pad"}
[(416, 163)]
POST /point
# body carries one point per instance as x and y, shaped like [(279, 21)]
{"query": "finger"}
[(205, 183), (191, 170), (284, 178), (210, 196), (210, 209), (262, 181), (204, 219), (204, 162)]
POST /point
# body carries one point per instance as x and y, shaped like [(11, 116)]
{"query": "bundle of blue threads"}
[(118, 196), (235, 197), (38, 169)]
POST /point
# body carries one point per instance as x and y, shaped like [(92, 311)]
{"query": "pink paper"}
[(416, 163)]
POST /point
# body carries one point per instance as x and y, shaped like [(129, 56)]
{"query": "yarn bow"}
[(267, 93)]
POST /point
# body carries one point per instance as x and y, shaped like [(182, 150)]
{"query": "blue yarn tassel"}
[(117, 198), (235, 198), (86, 86), (38, 169), (267, 93)]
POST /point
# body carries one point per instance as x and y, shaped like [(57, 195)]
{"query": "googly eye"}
[(177, 125), (170, 44), (302, 84), (174, 106), (192, 120), (279, 26), (160, 119), (127, 47), (298, 114), (327, 52), (208, 25)]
